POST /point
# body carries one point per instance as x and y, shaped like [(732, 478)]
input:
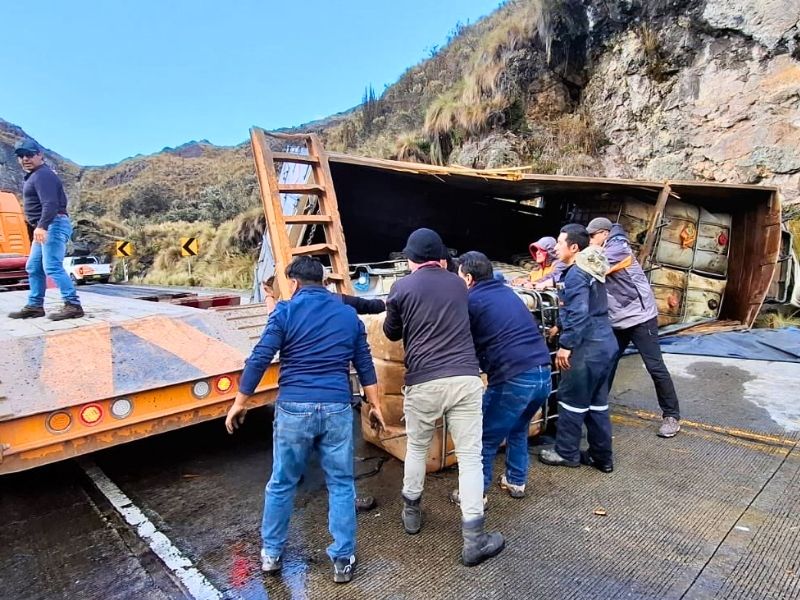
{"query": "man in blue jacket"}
[(586, 350), (634, 316), (45, 205), (514, 356), (317, 336)]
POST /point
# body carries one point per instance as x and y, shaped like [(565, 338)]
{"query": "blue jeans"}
[(300, 428), (508, 408), (48, 260)]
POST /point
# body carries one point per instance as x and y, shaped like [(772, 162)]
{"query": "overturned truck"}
[(710, 250)]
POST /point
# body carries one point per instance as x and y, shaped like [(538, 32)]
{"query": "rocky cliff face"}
[(713, 94)]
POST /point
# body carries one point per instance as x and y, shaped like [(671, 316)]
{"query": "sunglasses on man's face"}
[(26, 154)]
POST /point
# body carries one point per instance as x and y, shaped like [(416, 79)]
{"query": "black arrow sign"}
[(122, 249), (189, 247)]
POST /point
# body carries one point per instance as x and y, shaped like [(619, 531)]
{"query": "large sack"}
[(379, 344)]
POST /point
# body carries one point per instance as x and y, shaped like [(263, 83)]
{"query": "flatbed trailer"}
[(128, 369)]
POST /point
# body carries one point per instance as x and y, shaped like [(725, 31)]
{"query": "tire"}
[(105, 279)]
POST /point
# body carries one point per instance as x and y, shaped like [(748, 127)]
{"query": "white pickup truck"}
[(87, 268)]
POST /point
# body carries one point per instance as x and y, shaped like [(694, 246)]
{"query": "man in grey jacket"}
[(634, 316)]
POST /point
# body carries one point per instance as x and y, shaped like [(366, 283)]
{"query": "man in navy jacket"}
[(317, 336), (587, 348), (514, 356)]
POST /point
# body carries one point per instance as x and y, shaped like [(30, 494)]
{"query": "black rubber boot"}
[(412, 515), (479, 545)]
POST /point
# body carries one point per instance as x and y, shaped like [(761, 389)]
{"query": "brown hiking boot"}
[(27, 312), (69, 311)]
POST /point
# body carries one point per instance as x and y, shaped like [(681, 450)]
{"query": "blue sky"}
[(98, 81)]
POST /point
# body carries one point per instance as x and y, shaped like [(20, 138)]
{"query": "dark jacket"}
[(364, 306), (507, 336), (583, 310), (630, 298), (43, 197), (317, 336), (428, 310)]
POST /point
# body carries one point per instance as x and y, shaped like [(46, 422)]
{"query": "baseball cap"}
[(598, 224), (26, 146)]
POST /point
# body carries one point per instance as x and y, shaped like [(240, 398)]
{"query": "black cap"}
[(424, 245), (26, 146)]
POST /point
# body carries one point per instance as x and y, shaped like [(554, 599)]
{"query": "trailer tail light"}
[(121, 408), (59, 422), (223, 384), (91, 414), (201, 389)]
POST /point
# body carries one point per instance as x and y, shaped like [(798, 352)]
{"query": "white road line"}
[(199, 587)]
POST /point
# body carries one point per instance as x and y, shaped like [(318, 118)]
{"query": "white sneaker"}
[(270, 564), (515, 491)]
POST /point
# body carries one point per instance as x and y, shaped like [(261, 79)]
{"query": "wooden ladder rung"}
[(301, 188), (303, 159), (307, 219), (313, 249), (334, 277)]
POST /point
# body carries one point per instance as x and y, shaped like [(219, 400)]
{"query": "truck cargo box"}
[(729, 234)]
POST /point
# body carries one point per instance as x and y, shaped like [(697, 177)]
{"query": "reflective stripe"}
[(572, 408), (604, 407)]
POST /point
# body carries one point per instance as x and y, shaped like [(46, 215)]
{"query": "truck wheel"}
[(105, 279)]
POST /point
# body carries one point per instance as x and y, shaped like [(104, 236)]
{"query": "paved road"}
[(713, 513)]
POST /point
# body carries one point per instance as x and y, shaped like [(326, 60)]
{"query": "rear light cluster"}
[(94, 413), (89, 415), (222, 385)]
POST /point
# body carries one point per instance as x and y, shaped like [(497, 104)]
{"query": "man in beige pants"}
[(428, 310)]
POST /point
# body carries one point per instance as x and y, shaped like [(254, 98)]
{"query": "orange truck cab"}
[(15, 244)]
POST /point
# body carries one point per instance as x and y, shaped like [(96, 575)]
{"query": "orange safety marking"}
[(209, 355), (76, 364)]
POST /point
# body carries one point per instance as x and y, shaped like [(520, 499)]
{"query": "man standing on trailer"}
[(45, 205), (634, 316), (586, 350)]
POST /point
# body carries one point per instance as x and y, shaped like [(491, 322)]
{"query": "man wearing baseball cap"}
[(634, 316), (45, 205), (428, 310)]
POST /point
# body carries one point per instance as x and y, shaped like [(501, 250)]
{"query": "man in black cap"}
[(428, 310), (45, 205)]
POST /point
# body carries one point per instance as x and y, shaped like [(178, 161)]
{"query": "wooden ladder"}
[(327, 212)]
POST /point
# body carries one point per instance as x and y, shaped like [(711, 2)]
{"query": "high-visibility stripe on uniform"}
[(572, 408), (604, 407)]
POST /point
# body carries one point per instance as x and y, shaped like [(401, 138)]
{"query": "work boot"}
[(27, 312), (365, 503), (550, 457), (515, 491), (412, 515), (455, 498), (479, 545), (670, 426), (271, 565), (68, 311), (586, 459), (344, 568)]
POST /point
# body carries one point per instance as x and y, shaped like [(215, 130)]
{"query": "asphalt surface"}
[(712, 513)]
